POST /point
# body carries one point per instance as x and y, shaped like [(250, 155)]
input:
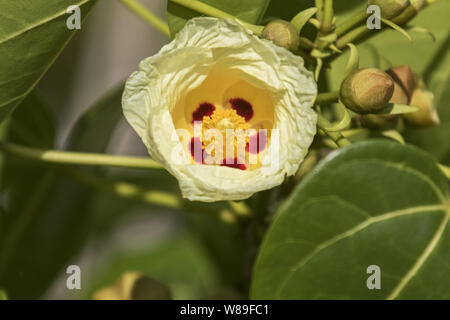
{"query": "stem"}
[(327, 97), (328, 14), (445, 170), (127, 190), (362, 31), (337, 137), (208, 10), (352, 36), (147, 15), (319, 6), (78, 158), (350, 23)]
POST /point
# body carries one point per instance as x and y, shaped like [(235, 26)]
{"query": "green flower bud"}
[(282, 33), (417, 4), (403, 78), (367, 90), (427, 116), (390, 8)]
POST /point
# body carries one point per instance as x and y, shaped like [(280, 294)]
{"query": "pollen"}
[(223, 119)]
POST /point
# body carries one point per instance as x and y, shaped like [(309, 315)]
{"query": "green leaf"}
[(372, 203), (32, 34), (353, 60), (250, 11), (25, 186), (302, 18), (397, 28), (423, 31)]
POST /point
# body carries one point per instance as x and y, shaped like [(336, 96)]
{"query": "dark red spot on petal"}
[(257, 142), (204, 109), (234, 164), (196, 150), (242, 107)]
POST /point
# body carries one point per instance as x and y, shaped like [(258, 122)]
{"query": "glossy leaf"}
[(373, 203), (250, 11), (32, 34)]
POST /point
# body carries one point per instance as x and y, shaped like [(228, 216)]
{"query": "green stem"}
[(337, 137), (328, 14), (352, 36), (127, 190), (319, 6), (362, 31), (350, 23), (445, 170), (327, 97), (214, 12), (78, 158), (147, 15)]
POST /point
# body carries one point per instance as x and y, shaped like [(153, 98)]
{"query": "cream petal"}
[(181, 66)]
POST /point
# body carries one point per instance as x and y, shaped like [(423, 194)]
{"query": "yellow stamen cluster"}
[(225, 119)]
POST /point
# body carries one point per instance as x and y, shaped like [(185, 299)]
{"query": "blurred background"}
[(101, 56)]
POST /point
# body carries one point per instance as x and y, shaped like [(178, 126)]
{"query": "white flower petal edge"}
[(182, 65)]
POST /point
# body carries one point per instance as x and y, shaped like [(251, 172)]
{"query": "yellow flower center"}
[(223, 119)]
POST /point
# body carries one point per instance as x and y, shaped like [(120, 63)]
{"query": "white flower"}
[(219, 74)]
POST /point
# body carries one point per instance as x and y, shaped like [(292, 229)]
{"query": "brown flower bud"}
[(367, 90), (403, 77), (390, 8), (427, 116), (282, 33)]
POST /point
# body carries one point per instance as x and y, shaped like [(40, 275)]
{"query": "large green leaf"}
[(251, 11), (32, 34), (373, 203)]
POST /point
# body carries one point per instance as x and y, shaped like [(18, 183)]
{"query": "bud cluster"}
[(367, 91)]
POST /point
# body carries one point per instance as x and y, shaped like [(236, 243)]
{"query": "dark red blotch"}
[(204, 109), (242, 107), (257, 142), (234, 165)]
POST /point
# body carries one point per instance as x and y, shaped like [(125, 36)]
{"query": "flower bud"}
[(390, 8), (282, 33), (403, 78), (417, 4), (427, 116), (367, 90)]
